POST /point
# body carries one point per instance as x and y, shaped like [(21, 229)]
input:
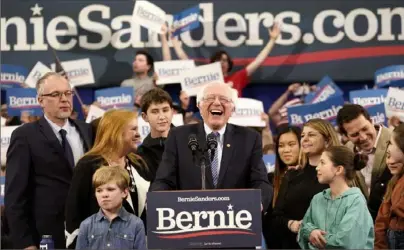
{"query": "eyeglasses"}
[(212, 98), (56, 94)]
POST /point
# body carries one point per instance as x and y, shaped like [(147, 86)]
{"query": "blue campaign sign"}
[(269, 161), (12, 76), (392, 76), (327, 110), (204, 219), (326, 89), (22, 100), (368, 97), (2, 186), (378, 114), (118, 97), (186, 20)]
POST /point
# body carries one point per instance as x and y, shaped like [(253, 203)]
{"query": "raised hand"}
[(275, 32)]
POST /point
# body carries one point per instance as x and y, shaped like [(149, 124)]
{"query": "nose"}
[(362, 136), (287, 149)]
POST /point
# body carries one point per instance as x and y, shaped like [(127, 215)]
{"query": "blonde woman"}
[(116, 139), (300, 185)]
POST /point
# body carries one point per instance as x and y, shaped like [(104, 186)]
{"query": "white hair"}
[(232, 93)]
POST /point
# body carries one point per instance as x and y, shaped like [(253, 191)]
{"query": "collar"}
[(56, 128), (208, 130), (122, 214)]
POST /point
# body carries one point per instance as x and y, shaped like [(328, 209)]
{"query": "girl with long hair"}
[(300, 185), (389, 226), (116, 139), (287, 155), (338, 217)]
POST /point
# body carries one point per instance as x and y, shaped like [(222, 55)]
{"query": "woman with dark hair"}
[(287, 155), (338, 217), (389, 226), (239, 79)]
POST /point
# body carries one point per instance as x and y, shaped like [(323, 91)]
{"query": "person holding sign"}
[(239, 79), (389, 225), (141, 80), (300, 185), (157, 110), (40, 162), (237, 163), (366, 138), (338, 216)]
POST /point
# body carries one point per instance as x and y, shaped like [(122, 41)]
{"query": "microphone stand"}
[(203, 170)]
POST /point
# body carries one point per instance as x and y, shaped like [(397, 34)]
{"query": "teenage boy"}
[(112, 227), (157, 110)]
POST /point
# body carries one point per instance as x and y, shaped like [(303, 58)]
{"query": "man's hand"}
[(317, 239), (275, 32), (294, 225)]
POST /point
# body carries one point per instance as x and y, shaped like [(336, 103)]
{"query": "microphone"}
[(193, 144), (212, 145), (211, 141)]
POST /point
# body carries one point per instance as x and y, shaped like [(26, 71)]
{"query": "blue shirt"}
[(126, 231)]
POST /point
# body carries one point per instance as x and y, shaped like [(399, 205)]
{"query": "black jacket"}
[(241, 164), (38, 178), (151, 151), (297, 189)]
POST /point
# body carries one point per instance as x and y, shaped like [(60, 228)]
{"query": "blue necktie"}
[(215, 161), (66, 147)]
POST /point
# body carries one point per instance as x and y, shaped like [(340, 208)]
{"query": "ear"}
[(40, 100), (340, 170), (144, 116), (125, 193)]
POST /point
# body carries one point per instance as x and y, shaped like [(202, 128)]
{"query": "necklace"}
[(132, 185)]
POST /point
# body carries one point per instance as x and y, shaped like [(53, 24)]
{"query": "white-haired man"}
[(236, 163)]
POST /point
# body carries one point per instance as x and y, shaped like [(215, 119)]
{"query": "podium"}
[(227, 218)]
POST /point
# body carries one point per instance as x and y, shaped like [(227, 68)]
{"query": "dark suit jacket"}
[(241, 164), (38, 177)]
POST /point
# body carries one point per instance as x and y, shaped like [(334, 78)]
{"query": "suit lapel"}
[(83, 131), (228, 148), (47, 131), (379, 163), (201, 134)]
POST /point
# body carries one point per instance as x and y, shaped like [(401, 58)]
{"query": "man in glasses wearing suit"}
[(40, 162)]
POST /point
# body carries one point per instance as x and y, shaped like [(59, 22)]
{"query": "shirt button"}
[(92, 236), (108, 245), (124, 236)]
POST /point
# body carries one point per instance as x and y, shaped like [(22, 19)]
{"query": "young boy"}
[(112, 227), (157, 110)]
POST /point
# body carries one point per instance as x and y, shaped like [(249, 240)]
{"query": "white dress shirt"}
[(219, 143), (73, 137)]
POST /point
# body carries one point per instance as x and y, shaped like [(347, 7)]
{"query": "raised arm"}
[(254, 65), (165, 49), (277, 105), (177, 44)]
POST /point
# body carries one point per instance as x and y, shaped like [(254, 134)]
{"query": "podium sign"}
[(204, 219)]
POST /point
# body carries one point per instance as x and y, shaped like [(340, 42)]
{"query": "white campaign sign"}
[(5, 141), (36, 73), (170, 71), (394, 103), (178, 120), (94, 112), (193, 81), (248, 113), (149, 16), (79, 71), (143, 127)]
